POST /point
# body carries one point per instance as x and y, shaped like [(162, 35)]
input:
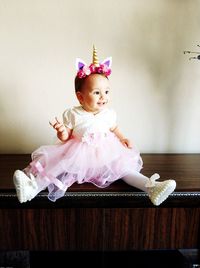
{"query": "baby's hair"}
[(78, 82)]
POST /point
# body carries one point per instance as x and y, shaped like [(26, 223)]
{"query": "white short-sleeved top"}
[(82, 122)]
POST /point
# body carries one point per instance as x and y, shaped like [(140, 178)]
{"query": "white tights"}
[(137, 180)]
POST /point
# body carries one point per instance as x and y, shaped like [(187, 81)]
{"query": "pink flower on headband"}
[(92, 68), (86, 70), (81, 74), (103, 69)]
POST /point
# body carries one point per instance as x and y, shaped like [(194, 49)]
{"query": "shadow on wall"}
[(158, 39)]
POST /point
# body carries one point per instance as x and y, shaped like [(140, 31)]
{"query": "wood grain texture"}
[(152, 228), (51, 229), (99, 229)]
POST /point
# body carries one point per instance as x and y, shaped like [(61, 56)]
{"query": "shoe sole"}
[(169, 188)]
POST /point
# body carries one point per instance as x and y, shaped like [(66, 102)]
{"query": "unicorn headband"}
[(95, 67)]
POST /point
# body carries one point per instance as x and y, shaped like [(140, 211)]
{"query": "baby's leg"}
[(137, 180), (157, 191)]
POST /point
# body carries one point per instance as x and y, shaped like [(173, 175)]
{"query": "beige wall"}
[(156, 89)]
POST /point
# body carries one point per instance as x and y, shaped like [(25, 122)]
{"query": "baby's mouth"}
[(102, 103)]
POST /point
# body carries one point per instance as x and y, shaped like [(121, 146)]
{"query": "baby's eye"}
[(96, 92), (107, 91)]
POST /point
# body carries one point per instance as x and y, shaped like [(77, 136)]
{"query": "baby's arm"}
[(126, 142), (63, 133)]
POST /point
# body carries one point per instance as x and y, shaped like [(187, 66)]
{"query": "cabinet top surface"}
[(184, 168)]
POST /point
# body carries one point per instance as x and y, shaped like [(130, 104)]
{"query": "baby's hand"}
[(62, 133), (126, 143)]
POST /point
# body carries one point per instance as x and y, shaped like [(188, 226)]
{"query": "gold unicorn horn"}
[(95, 59)]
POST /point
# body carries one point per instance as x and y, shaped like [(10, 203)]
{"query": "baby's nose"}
[(102, 95)]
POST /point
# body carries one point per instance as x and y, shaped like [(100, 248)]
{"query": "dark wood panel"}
[(51, 229), (99, 229), (152, 228)]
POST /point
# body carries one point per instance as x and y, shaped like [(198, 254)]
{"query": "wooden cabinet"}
[(119, 218)]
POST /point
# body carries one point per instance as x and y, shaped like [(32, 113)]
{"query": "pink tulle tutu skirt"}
[(98, 158)]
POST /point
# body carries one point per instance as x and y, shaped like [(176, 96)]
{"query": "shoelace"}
[(152, 180)]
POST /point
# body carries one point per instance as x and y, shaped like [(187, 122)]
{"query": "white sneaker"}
[(26, 187), (159, 191)]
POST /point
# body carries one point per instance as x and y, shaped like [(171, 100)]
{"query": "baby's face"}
[(94, 94)]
